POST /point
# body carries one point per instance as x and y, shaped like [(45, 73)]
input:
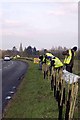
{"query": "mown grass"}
[(34, 99)]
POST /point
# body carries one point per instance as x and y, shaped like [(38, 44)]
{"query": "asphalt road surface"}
[(12, 74), (0, 89)]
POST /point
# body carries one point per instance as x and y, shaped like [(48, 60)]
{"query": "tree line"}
[(33, 52)]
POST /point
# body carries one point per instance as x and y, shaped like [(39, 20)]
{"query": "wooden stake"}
[(72, 98), (75, 96)]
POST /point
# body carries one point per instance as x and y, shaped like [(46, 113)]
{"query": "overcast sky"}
[(39, 24)]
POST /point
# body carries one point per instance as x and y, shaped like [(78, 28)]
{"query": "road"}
[(12, 74), (0, 89)]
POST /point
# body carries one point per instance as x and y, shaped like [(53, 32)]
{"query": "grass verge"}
[(34, 98)]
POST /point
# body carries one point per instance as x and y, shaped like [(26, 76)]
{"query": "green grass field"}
[(34, 99)]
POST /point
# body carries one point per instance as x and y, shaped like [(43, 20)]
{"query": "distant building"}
[(20, 49)]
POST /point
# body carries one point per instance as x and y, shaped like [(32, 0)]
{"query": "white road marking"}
[(8, 98), (14, 87), (11, 92)]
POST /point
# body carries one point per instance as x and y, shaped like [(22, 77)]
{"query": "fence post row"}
[(59, 79)]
